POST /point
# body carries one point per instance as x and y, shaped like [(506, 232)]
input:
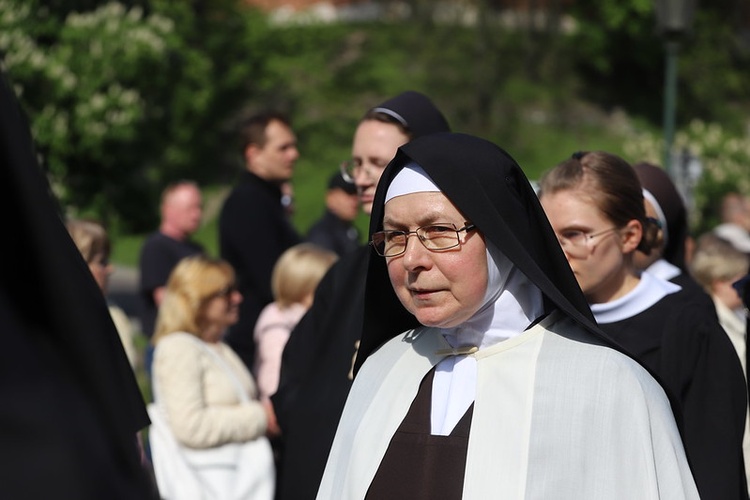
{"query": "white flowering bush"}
[(724, 157), (83, 88)]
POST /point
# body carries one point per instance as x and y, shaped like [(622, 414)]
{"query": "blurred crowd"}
[(558, 326)]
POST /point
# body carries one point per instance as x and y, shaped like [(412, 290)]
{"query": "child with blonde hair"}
[(295, 276)]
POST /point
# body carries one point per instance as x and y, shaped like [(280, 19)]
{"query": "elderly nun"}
[(481, 373)]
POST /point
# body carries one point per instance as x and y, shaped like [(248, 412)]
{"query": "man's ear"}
[(251, 151), (630, 236)]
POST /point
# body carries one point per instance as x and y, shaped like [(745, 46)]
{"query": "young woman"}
[(595, 205), (494, 381)]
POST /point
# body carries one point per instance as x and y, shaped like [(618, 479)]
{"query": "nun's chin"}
[(440, 316)]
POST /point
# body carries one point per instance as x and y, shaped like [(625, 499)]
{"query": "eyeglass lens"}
[(433, 237), (576, 243), (351, 168)]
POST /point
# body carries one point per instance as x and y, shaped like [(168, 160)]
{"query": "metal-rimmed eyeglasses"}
[(576, 242), (434, 237), (350, 169)]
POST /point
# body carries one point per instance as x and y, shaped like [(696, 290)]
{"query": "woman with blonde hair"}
[(204, 393)]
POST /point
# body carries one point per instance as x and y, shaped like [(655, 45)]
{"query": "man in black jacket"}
[(254, 229), (316, 367), (335, 230)]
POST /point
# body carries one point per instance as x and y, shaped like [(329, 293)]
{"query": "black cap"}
[(416, 112), (338, 181)]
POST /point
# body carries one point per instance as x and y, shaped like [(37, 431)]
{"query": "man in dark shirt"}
[(335, 230), (181, 215), (254, 229)]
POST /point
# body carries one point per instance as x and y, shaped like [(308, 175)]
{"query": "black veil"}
[(71, 406)]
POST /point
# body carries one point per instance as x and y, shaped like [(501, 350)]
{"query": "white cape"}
[(553, 417)]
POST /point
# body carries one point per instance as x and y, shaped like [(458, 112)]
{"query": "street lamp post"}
[(673, 18)]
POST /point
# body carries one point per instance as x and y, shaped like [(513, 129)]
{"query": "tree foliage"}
[(621, 54), (124, 99)]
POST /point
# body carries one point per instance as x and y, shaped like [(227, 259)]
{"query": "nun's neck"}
[(511, 304)]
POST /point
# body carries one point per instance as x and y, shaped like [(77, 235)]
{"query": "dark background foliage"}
[(541, 79)]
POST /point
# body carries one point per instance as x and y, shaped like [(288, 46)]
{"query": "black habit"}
[(71, 407)]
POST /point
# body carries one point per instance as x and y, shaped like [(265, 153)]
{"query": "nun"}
[(71, 406), (481, 373), (664, 203), (317, 363)]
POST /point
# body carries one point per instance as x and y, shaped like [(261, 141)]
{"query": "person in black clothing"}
[(71, 405), (254, 229), (181, 215), (664, 203), (317, 362), (335, 230), (594, 203)]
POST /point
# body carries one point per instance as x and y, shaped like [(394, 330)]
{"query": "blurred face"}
[(440, 288), (342, 204), (603, 265), (726, 293), (375, 144), (274, 161), (183, 210), (101, 269), (220, 311)]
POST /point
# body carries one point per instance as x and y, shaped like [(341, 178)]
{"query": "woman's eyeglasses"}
[(576, 242), (225, 292), (433, 237)]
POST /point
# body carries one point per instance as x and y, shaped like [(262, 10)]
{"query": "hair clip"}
[(654, 221), (579, 154)]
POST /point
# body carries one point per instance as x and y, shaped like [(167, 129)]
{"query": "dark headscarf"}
[(415, 112), (71, 406), (491, 190), (656, 181)]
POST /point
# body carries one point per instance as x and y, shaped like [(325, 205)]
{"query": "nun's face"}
[(441, 288), (375, 144)]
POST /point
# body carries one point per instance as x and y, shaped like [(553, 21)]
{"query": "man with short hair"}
[(181, 215), (335, 230), (254, 229)]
